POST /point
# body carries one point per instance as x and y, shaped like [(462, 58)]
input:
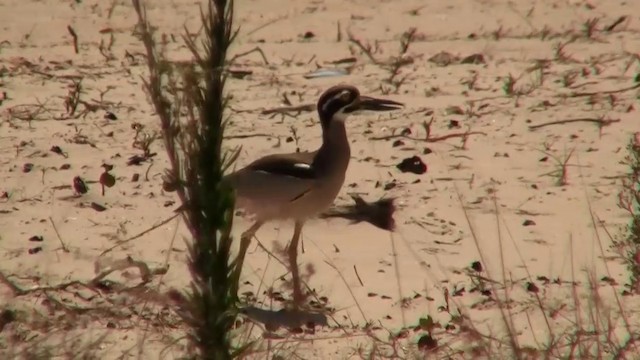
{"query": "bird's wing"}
[(275, 178), (297, 165)]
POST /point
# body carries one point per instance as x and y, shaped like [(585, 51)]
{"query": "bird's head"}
[(339, 101)]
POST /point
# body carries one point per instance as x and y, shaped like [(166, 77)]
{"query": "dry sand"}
[(404, 274)]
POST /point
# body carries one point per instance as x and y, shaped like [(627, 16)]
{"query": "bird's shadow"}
[(379, 213), (285, 318)]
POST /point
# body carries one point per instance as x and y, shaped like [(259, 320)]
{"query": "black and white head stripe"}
[(335, 99)]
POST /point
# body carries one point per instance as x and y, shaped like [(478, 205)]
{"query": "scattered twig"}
[(429, 137), (105, 49), (246, 136), (64, 246), (615, 24), (256, 49), (56, 76), (145, 273), (19, 291), (599, 121), (289, 110), (28, 112), (112, 8), (116, 265), (357, 275), (139, 235), (75, 38), (270, 22), (584, 94), (146, 173)]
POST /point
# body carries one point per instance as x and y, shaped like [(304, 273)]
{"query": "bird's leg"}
[(298, 296), (245, 240)]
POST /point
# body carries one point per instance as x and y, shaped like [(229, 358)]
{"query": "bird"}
[(298, 186)]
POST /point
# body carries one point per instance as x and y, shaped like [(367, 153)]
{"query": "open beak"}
[(373, 104)]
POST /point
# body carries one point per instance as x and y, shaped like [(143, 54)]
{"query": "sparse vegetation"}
[(198, 163), (561, 164), (511, 87), (629, 200), (590, 27), (394, 64)]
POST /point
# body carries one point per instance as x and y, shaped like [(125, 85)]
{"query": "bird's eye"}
[(345, 96)]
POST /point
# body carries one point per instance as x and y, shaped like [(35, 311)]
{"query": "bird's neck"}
[(334, 154)]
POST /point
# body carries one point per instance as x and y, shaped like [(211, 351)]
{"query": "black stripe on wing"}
[(285, 167), (301, 195)]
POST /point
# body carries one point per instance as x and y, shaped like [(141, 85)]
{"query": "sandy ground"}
[(368, 275)]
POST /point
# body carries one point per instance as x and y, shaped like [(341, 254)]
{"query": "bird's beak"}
[(373, 104)]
